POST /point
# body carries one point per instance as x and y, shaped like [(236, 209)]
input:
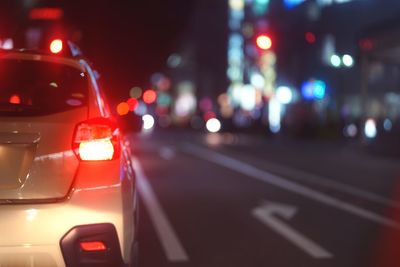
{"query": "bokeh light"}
[(370, 130), (213, 125), (350, 130), (133, 103), (149, 96), (15, 99), (387, 125), (310, 37), (336, 61), (209, 115), (284, 94), (135, 92), (348, 61), (264, 42), (148, 122), (56, 46), (122, 108)]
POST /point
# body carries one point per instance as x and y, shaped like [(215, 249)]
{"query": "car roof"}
[(37, 56)]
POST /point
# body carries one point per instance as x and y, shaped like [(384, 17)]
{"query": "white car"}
[(67, 187)]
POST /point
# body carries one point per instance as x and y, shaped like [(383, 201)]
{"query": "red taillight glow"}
[(46, 13), (15, 99), (93, 246), (96, 139), (56, 46)]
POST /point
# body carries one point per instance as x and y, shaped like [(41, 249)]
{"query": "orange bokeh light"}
[(122, 108)]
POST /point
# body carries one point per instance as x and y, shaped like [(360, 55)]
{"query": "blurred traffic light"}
[(263, 42), (310, 37)]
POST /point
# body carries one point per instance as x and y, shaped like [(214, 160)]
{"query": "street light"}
[(264, 42)]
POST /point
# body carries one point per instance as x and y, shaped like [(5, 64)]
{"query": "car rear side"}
[(67, 192)]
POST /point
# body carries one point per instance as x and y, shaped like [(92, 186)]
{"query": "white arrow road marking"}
[(168, 237), (266, 214), (285, 184)]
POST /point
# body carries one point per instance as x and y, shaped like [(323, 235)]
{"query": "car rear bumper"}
[(105, 233), (31, 235)]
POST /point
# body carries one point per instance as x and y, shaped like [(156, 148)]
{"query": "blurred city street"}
[(246, 200), (236, 133)]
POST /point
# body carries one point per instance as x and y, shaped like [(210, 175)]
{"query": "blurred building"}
[(322, 40), (197, 67)]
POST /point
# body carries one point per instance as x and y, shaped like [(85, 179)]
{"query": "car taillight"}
[(96, 139)]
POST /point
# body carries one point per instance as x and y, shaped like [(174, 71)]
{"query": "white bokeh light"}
[(213, 125), (336, 61), (348, 61), (148, 122), (370, 128), (284, 95)]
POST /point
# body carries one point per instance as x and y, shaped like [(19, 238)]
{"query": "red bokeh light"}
[(15, 99), (310, 37), (160, 111), (132, 103), (46, 13), (366, 44), (149, 96), (209, 115)]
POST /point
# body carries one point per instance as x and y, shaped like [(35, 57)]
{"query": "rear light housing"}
[(96, 139)]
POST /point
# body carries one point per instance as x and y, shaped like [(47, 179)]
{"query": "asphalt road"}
[(239, 200)]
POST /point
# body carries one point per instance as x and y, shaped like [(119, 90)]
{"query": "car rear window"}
[(31, 87)]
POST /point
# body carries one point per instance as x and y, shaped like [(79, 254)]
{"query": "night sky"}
[(126, 40), (129, 40)]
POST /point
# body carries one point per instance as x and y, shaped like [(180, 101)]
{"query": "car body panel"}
[(49, 191), (36, 158), (32, 228)]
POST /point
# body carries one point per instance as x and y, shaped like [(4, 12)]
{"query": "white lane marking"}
[(267, 215), (341, 187), (285, 184), (167, 153), (168, 237)]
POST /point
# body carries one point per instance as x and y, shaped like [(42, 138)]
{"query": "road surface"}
[(216, 200)]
